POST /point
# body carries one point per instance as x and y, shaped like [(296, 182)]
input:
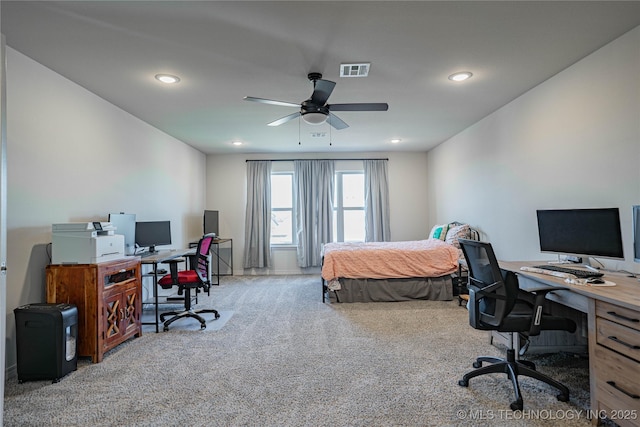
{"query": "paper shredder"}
[(46, 338)]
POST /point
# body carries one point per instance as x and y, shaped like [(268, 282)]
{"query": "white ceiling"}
[(224, 51)]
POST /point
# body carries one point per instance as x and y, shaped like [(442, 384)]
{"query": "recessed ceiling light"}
[(460, 76), (237, 142), (167, 78), (395, 140)]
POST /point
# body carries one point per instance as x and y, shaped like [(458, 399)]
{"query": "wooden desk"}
[(158, 257), (613, 315)]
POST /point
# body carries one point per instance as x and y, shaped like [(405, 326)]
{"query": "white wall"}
[(227, 188), (571, 142), (75, 157)]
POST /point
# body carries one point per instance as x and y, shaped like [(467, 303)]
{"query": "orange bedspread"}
[(389, 260)]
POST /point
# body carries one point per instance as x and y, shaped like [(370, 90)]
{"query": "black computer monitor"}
[(153, 233), (210, 222), (581, 232)]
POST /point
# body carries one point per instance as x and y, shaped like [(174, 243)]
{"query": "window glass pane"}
[(354, 226), (353, 190), (334, 231), (281, 227), (281, 194), (281, 209)]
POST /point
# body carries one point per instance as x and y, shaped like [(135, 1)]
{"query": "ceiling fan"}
[(315, 110)]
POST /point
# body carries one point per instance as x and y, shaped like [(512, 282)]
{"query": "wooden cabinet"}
[(616, 364), (108, 297)]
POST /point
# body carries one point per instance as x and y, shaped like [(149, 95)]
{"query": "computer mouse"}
[(595, 280)]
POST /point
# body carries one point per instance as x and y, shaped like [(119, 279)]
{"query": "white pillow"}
[(457, 232)]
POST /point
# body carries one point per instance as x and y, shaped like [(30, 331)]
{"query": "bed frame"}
[(378, 290)]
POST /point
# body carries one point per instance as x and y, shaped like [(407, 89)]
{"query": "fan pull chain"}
[(299, 143), (330, 141)]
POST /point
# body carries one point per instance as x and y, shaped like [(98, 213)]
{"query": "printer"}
[(85, 243)]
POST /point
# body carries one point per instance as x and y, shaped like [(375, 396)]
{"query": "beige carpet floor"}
[(283, 358)]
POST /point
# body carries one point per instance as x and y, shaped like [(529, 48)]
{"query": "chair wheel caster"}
[(516, 406), (166, 328), (563, 397), (463, 383), (203, 326), (477, 364), (217, 315)]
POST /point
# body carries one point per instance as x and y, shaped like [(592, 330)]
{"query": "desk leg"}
[(215, 253), (155, 295), (218, 270)]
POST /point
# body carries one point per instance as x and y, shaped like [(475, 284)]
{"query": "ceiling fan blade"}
[(336, 122), (321, 91), (359, 107), (271, 101), (284, 119)]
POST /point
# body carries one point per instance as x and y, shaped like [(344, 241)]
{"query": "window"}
[(282, 208), (348, 207)]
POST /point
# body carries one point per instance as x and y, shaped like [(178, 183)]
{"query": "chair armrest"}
[(538, 303), (173, 268), (545, 289)]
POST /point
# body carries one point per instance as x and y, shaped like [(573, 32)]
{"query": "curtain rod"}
[(291, 160)]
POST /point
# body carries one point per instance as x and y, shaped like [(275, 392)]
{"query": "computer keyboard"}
[(580, 274)]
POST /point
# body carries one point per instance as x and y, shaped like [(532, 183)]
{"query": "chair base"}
[(187, 313), (513, 368)]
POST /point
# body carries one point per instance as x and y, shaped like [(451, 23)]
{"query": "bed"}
[(394, 271)]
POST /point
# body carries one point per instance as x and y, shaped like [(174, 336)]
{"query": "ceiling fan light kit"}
[(314, 118), (315, 110)]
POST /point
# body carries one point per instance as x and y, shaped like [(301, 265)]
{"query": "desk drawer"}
[(618, 385), (621, 315), (618, 337)]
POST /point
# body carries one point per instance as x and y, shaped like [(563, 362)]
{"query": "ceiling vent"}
[(354, 70)]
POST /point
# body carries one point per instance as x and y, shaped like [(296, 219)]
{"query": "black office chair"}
[(196, 278), (497, 304)]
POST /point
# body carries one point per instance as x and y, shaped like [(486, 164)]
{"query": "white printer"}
[(85, 243)]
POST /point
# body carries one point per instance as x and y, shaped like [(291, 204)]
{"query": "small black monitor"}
[(210, 222), (581, 232), (150, 234)]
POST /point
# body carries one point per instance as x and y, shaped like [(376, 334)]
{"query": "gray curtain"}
[(313, 184), (376, 201), (257, 227)]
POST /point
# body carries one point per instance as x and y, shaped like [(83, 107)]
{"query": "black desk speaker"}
[(46, 338)]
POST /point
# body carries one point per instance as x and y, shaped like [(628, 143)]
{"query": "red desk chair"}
[(196, 278)]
